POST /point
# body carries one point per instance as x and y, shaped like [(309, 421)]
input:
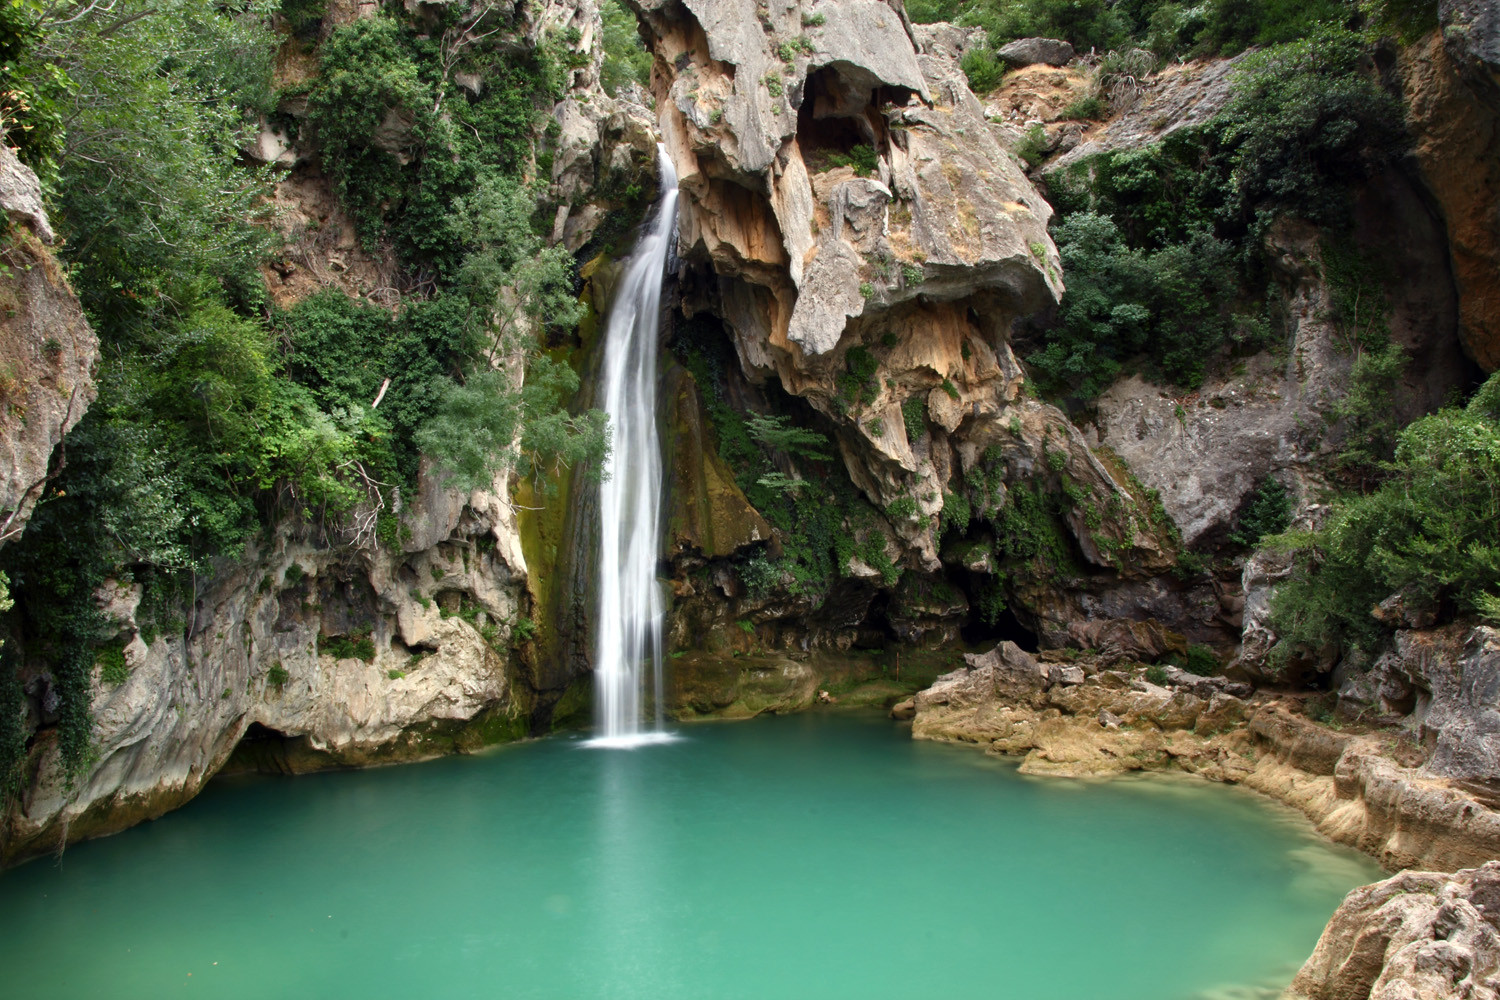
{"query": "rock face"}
[(1446, 683), (47, 349), (310, 651), (1207, 451), (848, 209), (351, 656), (1419, 935), (1180, 96), (1453, 102), (1079, 719)]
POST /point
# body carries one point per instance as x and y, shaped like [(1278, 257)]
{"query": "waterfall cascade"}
[(627, 626)]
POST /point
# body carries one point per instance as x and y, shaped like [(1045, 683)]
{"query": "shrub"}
[(1269, 513), (1032, 149), (914, 414), (112, 669), (1170, 306), (983, 69), (1086, 108), (1201, 660), (626, 59), (1431, 533), (1156, 674)]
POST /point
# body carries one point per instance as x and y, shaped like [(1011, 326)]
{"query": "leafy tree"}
[(625, 57)]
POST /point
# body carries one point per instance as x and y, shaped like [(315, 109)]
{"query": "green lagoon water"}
[(817, 856)]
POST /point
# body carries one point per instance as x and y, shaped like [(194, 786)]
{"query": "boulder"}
[(1030, 51), (1416, 936)]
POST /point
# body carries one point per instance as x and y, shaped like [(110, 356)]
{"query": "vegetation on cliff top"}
[(219, 414), (1164, 246)]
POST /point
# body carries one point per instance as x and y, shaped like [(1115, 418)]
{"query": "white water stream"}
[(627, 627)]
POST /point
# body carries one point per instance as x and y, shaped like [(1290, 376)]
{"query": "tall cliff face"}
[(47, 349), (855, 224), (317, 647), (1452, 84)]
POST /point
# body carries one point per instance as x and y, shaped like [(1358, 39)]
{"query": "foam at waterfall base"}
[(631, 741)]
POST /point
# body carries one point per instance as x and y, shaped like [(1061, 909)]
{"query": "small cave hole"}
[(978, 632)]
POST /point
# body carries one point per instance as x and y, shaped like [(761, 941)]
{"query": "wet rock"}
[(904, 711)]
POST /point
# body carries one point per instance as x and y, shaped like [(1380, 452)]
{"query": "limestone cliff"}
[(47, 349), (317, 647), (855, 223)]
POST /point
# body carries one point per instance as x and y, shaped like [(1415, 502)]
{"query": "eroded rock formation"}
[(848, 208), (47, 349)]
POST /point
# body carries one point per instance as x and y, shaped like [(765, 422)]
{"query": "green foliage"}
[(861, 158), (901, 509), (858, 386), (817, 516), (1430, 532), (914, 414), (1168, 27), (1169, 306), (354, 646), (798, 442), (1086, 108), (982, 68), (277, 676), (1201, 660), (217, 415), (626, 59), (111, 663), (1156, 674), (1370, 423), (1032, 149), (1268, 513), (1404, 20), (1163, 245), (403, 144), (522, 629), (485, 426)]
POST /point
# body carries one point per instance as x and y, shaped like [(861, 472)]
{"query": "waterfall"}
[(627, 627)]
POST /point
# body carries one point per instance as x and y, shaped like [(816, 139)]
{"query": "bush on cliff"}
[(1431, 533), (1163, 247)]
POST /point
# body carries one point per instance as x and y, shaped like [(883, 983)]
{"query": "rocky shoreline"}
[(1372, 787)]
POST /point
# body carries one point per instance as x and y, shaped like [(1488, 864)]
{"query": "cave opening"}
[(1006, 626), (263, 750)]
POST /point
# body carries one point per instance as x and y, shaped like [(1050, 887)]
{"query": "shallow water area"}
[(825, 855)]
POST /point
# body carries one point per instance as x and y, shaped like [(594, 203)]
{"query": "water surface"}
[(817, 856)]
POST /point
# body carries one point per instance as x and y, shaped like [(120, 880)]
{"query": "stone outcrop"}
[(1030, 51), (1078, 719), (47, 349), (1417, 936), (1183, 95), (1446, 684), (355, 656)]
